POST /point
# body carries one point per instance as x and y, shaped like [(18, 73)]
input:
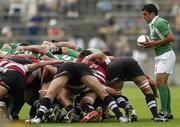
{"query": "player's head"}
[(54, 41), (84, 53), (107, 53), (151, 8), (149, 11), (23, 44)]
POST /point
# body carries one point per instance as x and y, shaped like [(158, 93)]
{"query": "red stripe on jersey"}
[(19, 68), (3, 62), (99, 72)]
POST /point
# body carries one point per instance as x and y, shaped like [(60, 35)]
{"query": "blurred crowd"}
[(33, 20)]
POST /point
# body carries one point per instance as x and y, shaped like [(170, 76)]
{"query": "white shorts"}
[(165, 62)]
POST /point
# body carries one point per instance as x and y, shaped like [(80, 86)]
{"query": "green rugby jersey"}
[(14, 45), (65, 57), (11, 50), (159, 28), (72, 52), (6, 50), (36, 54), (93, 50), (68, 55)]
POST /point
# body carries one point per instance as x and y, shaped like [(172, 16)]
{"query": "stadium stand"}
[(90, 20)]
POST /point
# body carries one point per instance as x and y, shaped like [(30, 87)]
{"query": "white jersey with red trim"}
[(100, 74), (22, 69)]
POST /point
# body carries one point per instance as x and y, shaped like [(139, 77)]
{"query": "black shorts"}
[(123, 69), (13, 81), (75, 71), (49, 78)]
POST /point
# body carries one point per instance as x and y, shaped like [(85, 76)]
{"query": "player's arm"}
[(35, 48), (97, 55), (111, 91), (35, 66), (164, 32), (168, 39), (70, 45)]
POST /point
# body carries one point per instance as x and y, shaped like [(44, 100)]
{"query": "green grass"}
[(138, 101)]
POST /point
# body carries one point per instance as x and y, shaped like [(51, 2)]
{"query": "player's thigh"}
[(3, 91), (56, 85)]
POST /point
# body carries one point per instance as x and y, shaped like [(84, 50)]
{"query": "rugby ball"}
[(142, 38)]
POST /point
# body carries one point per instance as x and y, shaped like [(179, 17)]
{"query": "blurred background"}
[(103, 24)]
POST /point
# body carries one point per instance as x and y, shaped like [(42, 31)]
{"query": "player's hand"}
[(149, 44), (20, 48), (85, 60), (94, 66), (111, 91)]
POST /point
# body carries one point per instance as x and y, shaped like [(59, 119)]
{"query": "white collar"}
[(153, 21)]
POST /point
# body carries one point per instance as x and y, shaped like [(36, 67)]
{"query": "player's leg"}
[(165, 98), (87, 102), (143, 83), (163, 67), (3, 107), (57, 84), (64, 97), (96, 86)]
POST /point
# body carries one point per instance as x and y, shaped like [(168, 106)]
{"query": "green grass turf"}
[(138, 101)]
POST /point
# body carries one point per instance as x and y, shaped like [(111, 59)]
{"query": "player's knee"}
[(145, 87), (87, 99)]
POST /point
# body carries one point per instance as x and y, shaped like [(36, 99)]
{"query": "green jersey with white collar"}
[(159, 28)]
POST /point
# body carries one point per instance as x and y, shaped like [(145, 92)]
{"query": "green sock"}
[(169, 101), (163, 91)]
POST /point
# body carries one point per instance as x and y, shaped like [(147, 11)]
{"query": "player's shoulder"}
[(160, 21)]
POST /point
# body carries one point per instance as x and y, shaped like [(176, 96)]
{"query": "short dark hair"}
[(150, 8), (84, 53), (24, 44), (107, 53)]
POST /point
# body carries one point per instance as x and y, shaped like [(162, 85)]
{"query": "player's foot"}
[(4, 112), (70, 116), (100, 113), (34, 120), (131, 114), (89, 116), (159, 119), (124, 119), (170, 116), (165, 115), (55, 114), (162, 114)]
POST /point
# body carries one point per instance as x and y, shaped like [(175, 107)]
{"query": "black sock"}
[(37, 104), (121, 102), (151, 102), (43, 108), (128, 104), (108, 100), (87, 107), (126, 99)]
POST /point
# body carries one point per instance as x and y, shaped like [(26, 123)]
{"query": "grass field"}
[(137, 100)]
